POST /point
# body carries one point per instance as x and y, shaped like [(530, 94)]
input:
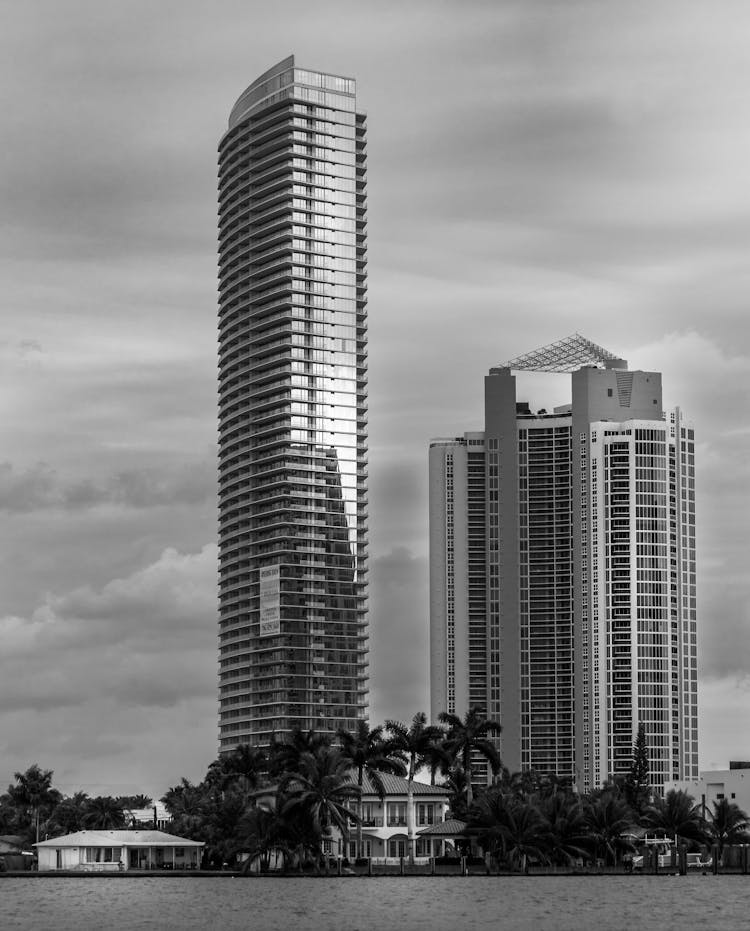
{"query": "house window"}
[(102, 854), (396, 814), (424, 847), (396, 848), (425, 814), (366, 848)]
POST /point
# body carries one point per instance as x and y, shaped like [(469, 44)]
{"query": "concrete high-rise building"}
[(562, 572), (293, 408)]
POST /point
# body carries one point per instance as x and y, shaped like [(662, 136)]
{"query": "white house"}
[(154, 816), (732, 784), (384, 821), (385, 824), (113, 851)]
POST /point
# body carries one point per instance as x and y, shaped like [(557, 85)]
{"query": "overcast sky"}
[(535, 169)]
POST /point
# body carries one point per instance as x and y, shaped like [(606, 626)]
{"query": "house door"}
[(58, 859), (397, 848)]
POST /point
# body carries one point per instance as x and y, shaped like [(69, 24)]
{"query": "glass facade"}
[(293, 408)]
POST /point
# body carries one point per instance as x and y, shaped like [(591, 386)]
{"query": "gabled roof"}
[(119, 839)]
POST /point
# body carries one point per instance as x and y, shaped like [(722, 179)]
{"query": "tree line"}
[(314, 782)]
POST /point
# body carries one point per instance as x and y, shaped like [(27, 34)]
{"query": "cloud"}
[(723, 733), (40, 488), (137, 641), (399, 635), (533, 169)]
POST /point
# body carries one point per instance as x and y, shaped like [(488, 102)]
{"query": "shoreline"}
[(234, 874)]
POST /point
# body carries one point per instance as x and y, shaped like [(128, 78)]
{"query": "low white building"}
[(733, 784), (154, 816), (113, 851)]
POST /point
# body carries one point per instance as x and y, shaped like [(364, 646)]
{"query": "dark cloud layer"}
[(534, 169), (40, 487)]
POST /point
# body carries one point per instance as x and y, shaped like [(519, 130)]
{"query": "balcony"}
[(375, 822)]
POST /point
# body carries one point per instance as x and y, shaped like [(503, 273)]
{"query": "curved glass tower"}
[(293, 408)]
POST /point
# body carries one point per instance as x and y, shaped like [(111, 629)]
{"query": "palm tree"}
[(262, 833), (565, 818), (33, 795), (103, 813), (285, 755), (678, 816), (68, 814), (187, 803), (523, 784), (728, 825), (369, 754), (469, 738), (455, 786), (221, 826), (512, 829), (320, 791), (418, 744), (244, 766), (608, 817)]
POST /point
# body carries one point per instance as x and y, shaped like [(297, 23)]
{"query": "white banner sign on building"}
[(270, 610)]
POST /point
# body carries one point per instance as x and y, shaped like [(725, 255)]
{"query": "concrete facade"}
[(588, 619)]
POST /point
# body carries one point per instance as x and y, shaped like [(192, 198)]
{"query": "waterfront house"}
[(113, 851), (384, 820)]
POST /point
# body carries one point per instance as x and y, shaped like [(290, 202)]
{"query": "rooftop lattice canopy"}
[(566, 355)]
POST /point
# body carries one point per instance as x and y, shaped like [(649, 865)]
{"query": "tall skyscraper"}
[(293, 408), (562, 572)]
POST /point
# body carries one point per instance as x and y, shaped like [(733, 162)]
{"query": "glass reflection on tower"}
[(293, 408)]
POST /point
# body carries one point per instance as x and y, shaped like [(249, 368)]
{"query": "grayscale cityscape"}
[(439, 575)]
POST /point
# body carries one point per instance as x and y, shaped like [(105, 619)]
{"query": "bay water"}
[(448, 903)]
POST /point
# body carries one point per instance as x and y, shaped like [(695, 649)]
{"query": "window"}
[(424, 847), (425, 814), (396, 848), (396, 814), (366, 848), (102, 854)]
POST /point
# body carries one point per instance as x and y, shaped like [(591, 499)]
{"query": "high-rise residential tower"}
[(562, 572), (293, 408)]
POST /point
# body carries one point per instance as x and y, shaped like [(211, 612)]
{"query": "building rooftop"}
[(119, 839), (397, 785)]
